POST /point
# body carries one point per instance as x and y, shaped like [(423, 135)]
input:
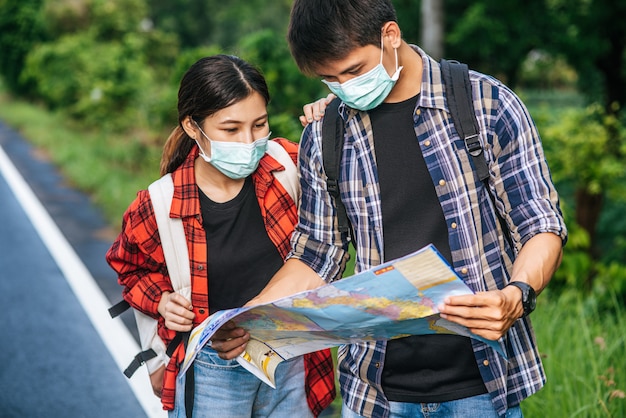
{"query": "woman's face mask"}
[(234, 159), (368, 90)]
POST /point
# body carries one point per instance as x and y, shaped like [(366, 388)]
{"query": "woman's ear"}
[(392, 32), (190, 127)]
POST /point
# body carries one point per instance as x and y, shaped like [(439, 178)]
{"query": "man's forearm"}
[(294, 277), (538, 260)]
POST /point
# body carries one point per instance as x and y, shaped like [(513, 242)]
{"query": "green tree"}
[(591, 35), (578, 148), (101, 62), (215, 22), (496, 36), (20, 29)]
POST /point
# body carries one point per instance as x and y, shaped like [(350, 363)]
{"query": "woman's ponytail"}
[(175, 150)]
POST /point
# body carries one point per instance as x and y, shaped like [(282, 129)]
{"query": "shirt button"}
[(200, 267), (453, 225), (486, 363), (201, 311), (464, 270), (418, 112), (377, 365), (442, 182), (427, 143)]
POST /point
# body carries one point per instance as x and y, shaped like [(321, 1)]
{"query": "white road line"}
[(118, 340)]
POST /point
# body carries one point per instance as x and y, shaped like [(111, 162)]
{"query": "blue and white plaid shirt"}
[(524, 196)]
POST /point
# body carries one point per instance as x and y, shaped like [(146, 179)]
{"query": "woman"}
[(238, 220)]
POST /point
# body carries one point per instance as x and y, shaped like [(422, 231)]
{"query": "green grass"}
[(584, 354)]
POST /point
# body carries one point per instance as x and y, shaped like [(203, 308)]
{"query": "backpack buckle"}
[(472, 144)]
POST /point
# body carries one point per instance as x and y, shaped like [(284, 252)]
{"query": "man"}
[(407, 180)]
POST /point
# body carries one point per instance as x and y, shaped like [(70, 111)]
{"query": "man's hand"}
[(177, 312), (486, 314), (491, 314), (230, 341), (156, 380)]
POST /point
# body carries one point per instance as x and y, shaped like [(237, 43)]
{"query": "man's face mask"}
[(234, 159), (368, 90)]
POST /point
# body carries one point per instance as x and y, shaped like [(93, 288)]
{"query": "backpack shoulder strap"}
[(173, 240), (459, 94), (332, 149), (172, 234), (289, 176)]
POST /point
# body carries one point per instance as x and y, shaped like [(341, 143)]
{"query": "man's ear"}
[(190, 127), (392, 32)]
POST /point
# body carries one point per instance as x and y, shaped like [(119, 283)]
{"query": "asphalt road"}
[(62, 354)]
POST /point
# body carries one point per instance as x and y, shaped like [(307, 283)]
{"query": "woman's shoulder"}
[(289, 146)]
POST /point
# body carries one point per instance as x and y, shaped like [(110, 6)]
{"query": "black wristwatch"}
[(529, 297)]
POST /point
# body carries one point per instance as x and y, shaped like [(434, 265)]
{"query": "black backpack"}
[(459, 94)]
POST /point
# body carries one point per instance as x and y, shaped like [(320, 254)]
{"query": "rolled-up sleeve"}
[(524, 184)]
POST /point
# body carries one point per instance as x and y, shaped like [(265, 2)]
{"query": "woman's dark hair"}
[(328, 30), (210, 85)]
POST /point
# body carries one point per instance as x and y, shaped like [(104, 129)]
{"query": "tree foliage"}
[(592, 36), (215, 22), (20, 29), (496, 36), (101, 62)]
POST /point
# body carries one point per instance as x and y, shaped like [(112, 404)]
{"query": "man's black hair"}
[(328, 30)]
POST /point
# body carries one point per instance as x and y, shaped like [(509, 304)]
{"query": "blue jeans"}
[(225, 389), (473, 407)]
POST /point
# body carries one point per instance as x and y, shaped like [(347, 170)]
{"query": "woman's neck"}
[(213, 183)]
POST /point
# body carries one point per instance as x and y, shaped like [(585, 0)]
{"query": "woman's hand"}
[(315, 111), (156, 380), (177, 312), (229, 341)]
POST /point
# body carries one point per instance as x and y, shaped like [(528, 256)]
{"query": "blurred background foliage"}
[(94, 84)]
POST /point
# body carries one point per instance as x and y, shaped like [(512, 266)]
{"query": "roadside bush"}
[(98, 84), (586, 149)]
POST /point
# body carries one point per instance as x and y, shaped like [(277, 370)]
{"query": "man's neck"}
[(410, 82)]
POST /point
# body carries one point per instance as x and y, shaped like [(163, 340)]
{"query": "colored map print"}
[(394, 300)]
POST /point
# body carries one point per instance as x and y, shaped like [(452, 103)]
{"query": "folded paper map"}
[(396, 299)]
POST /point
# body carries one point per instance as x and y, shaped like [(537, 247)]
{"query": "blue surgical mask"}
[(235, 159), (368, 90)]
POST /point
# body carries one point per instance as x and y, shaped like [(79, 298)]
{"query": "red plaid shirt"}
[(138, 259)]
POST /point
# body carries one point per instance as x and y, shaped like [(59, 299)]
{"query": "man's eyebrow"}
[(350, 69)]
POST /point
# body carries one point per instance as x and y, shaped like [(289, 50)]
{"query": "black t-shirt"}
[(241, 257), (431, 368)]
